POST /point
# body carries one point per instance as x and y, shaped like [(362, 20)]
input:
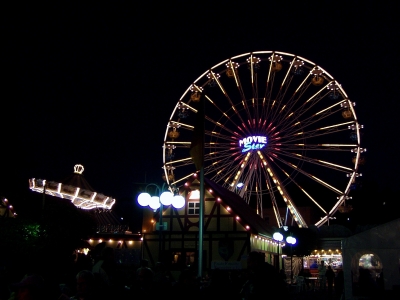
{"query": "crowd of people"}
[(100, 277)]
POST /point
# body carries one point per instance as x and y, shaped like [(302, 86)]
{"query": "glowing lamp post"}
[(277, 236), (292, 241), (164, 198)]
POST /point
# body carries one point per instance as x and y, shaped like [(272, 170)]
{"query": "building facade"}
[(231, 230)]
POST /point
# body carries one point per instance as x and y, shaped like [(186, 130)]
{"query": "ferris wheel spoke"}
[(179, 162), (249, 181), (224, 114), (289, 115), (312, 134), (313, 177), (218, 135), (278, 104), (306, 105), (217, 124), (285, 195), (315, 161), (175, 182), (321, 115), (232, 68), (313, 118), (273, 199), (226, 168), (224, 92), (307, 194), (178, 144), (243, 102), (181, 125), (315, 147), (240, 171)]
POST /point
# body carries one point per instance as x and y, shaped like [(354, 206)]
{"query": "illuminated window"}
[(193, 207), (185, 258)]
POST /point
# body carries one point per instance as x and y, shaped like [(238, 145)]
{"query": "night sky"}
[(95, 84)]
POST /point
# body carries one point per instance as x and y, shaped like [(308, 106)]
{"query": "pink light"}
[(276, 133)]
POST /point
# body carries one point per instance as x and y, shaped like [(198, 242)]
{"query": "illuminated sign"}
[(253, 143)]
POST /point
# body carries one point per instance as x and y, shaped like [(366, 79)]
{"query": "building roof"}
[(247, 214)]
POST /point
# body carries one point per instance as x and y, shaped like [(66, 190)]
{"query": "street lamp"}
[(291, 240), (164, 197), (278, 237)]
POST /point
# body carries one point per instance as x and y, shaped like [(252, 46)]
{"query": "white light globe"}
[(291, 240), (166, 198), (144, 199), (178, 201), (278, 236), (154, 202)]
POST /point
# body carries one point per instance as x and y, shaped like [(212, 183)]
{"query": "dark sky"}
[(95, 84)]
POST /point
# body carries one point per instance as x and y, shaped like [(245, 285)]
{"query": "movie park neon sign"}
[(253, 143)]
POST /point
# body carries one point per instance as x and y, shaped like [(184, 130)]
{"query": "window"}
[(193, 207), (182, 259)]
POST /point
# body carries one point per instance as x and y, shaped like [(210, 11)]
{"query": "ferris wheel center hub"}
[(253, 143)]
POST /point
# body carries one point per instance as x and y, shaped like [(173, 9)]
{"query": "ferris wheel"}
[(279, 131)]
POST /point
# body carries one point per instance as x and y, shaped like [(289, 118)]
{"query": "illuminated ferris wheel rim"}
[(255, 53), (213, 73)]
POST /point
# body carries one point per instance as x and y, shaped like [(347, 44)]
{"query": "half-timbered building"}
[(231, 230)]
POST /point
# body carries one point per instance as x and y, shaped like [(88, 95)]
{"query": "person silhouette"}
[(262, 276), (85, 286), (321, 275), (330, 277), (31, 287)]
